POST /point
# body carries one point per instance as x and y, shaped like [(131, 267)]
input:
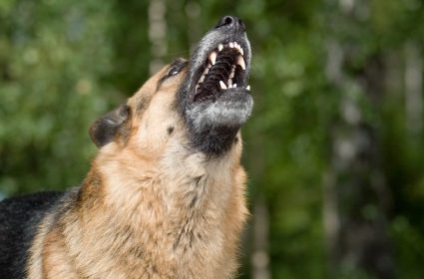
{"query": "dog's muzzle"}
[(218, 94)]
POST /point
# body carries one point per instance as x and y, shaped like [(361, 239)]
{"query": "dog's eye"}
[(173, 71), (176, 68)]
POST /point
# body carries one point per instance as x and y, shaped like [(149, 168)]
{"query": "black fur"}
[(19, 217)]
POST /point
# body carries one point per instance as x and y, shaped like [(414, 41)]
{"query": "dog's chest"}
[(173, 222), (193, 231), (196, 245)]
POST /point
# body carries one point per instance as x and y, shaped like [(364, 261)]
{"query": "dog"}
[(165, 195)]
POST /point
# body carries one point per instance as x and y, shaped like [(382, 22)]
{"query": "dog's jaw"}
[(217, 100)]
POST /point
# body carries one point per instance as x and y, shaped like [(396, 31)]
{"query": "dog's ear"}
[(111, 126)]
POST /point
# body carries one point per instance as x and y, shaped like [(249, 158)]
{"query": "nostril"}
[(226, 20), (232, 22)]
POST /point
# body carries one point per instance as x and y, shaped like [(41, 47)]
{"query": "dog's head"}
[(204, 100)]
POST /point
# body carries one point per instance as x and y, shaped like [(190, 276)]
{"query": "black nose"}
[(231, 22)]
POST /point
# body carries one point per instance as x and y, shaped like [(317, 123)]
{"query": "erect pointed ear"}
[(112, 126)]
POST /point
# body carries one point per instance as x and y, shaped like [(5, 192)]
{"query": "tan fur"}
[(150, 207)]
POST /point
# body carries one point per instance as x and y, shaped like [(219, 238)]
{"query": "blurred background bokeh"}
[(335, 147)]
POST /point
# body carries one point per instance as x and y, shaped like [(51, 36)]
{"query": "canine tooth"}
[(205, 72), (240, 62), (241, 50), (248, 87), (230, 83), (234, 85), (212, 57), (233, 72), (222, 85), (220, 47)]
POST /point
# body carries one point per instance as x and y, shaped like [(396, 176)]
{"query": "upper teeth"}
[(237, 46), (240, 61), (212, 59)]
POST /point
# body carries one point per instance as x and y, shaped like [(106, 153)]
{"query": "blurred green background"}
[(334, 149)]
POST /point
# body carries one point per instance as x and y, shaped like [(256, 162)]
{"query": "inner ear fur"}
[(113, 126)]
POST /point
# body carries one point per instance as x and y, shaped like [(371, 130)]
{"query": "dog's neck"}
[(185, 212)]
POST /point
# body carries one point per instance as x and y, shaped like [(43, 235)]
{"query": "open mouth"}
[(215, 96), (223, 69)]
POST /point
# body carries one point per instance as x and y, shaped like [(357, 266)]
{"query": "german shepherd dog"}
[(164, 197)]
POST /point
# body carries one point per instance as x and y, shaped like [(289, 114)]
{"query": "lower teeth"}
[(222, 85)]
